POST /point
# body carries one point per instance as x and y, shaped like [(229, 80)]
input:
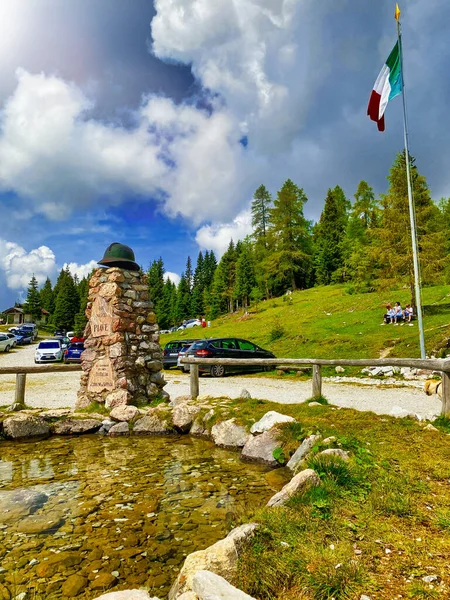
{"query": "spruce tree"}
[(155, 277), (183, 300), (289, 262), (198, 287), (329, 235), (80, 318), (47, 297), (67, 303), (33, 302), (393, 236), (261, 203), (245, 275)]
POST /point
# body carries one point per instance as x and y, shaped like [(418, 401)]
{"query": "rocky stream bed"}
[(79, 516)]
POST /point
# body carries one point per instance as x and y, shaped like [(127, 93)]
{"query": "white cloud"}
[(218, 237), (264, 57), (174, 277), (81, 270), (19, 265)]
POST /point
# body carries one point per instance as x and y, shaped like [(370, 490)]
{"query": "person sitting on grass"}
[(408, 313), (387, 316), (398, 313)]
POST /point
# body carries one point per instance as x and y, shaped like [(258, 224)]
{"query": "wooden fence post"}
[(317, 381), (445, 410), (194, 381), (20, 388)]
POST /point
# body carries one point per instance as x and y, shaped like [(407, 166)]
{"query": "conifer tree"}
[(155, 278), (67, 302), (33, 302), (245, 275), (393, 236), (198, 287), (261, 204), (183, 300), (290, 258), (80, 317), (47, 297), (329, 235)]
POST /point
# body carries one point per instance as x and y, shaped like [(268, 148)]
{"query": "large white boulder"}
[(228, 434), (209, 586), (300, 482), (220, 558), (302, 451), (268, 421)]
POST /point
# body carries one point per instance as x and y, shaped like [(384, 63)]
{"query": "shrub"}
[(277, 331)]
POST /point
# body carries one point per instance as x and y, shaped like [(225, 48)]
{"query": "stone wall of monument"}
[(122, 361)]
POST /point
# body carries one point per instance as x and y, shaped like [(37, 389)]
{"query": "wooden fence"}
[(21, 377), (431, 364)]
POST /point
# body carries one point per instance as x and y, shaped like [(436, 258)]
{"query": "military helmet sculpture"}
[(119, 255)]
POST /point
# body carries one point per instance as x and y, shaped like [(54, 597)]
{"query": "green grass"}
[(325, 322), (376, 525)]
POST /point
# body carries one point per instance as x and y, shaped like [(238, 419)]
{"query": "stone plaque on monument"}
[(101, 376), (101, 317)]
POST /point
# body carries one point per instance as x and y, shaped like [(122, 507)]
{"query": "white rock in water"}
[(209, 586), (228, 434), (270, 419)]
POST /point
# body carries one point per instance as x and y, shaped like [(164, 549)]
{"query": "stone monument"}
[(122, 358)]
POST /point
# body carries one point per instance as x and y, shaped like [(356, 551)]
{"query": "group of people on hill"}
[(395, 314)]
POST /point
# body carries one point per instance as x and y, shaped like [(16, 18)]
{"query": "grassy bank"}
[(325, 322), (377, 525)]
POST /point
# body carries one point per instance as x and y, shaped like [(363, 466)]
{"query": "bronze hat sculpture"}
[(119, 255)]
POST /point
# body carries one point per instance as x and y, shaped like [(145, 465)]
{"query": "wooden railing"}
[(431, 364), (21, 377)]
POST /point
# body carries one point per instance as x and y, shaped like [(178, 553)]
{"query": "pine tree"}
[(289, 262), (47, 297), (261, 203), (83, 293), (245, 275), (198, 287), (183, 300), (393, 237), (358, 264), (329, 235), (188, 274), (155, 276), (33, 302), (67, 303)]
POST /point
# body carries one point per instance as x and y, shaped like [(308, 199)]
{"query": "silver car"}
[(5, 342), (48, 351)]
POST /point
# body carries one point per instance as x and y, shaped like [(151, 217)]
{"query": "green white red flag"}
[(387, 86)]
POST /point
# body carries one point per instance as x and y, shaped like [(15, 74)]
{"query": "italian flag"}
[(387, 86)]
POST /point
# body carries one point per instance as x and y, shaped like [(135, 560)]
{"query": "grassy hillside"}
[(325, 322)]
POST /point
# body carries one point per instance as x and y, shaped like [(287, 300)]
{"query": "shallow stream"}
[(84, 515)]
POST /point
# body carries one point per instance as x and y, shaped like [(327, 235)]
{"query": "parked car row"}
[(214, 348), (58, 349)]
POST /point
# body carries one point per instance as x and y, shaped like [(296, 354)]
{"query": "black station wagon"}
[(228, 348)]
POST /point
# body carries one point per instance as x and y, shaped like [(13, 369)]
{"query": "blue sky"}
[(123, 121)]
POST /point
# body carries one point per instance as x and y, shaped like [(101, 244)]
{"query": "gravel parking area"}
[(59, 390)]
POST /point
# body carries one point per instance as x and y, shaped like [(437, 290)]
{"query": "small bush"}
[(442, 423), (333, 468), (328, 578), (277, 331), (443, 520)]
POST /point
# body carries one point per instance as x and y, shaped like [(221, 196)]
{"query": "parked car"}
[(181, 354), (31, 327), (59, 332), (73, 352), (189, 324), (24, 336), (227, 348), (171, 350), (5, 342), (63, 339), (70, 334), (13, 338), (48, 351)]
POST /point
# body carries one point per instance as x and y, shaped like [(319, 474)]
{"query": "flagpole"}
[(412, 217)]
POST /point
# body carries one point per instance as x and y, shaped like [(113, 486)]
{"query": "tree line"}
[(65, 302), (364, 244)]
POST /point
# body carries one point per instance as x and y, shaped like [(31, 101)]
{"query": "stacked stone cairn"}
[(122, 358)]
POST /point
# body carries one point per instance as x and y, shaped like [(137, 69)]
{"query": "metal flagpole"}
[(412, 217)]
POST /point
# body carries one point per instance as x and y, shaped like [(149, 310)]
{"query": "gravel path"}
[(59, 390)]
